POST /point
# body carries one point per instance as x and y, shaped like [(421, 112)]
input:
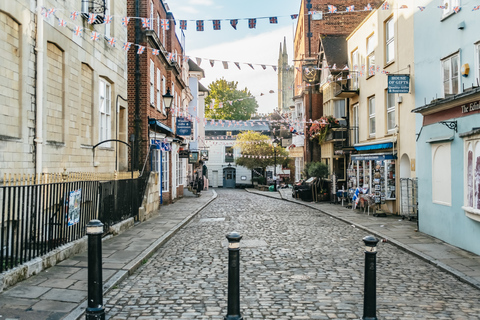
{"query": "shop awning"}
[(374, 145), (373, 156), (160, 125)]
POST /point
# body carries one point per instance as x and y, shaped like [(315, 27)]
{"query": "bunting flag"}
[(264, 67), (125, 21), (78, 31), (112, 42), (350, 8), (294, 16), (212, 62), (385, 6), (183, 24), (332, 9), (273, 20), (225, 64), (368, 7), (186, 58), (95, 36), (403, 7), (238, 65), (127, 45), (62, 23), (274, 68), (199, 61), (346, 68), (234, 23), (108, 19), (140, 49), (165, 24), (456, 9), (74, 15), (146, 23), (334, 66), (199, 25), (155, 52), (441, 7), (421, 8), (476, 8), (216, 25), (251, 66), (252, 23), (91, 18)]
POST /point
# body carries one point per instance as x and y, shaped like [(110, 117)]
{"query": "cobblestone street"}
[(296, 263)]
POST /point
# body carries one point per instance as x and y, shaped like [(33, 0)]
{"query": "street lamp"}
[(167, 102), (275, 144)]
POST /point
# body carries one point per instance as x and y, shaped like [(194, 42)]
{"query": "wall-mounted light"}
[(465, 70)]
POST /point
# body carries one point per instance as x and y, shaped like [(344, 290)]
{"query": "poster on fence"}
[(74, 200)]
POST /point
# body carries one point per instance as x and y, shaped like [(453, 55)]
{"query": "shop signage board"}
[(193, 157), (184, 127), (183, 154), (398, 83), (204, 155), (376, 157)]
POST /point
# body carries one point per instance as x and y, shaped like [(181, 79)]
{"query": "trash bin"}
[(271, 188), (303, 190)]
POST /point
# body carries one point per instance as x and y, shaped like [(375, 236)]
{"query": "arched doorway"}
[(229, 177), (405, 171)]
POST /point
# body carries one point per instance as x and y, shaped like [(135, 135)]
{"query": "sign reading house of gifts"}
[(398, 83), (184, 127)]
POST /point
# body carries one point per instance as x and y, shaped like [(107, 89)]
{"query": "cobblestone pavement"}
[(296, 263)]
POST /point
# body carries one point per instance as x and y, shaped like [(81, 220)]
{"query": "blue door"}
[(229, 177)]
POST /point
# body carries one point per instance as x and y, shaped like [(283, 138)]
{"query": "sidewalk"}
[(462, 264), (60, 292)]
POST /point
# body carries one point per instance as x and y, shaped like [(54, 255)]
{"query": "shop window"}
[(165, 171), (371, 55), (441, 174), (389, 41), (390, 105), (339, 109), (451, 79), (229, 156), (371, 116), (339, 168), (472, 175)]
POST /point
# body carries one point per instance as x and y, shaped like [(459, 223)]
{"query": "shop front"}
[(374, 175)]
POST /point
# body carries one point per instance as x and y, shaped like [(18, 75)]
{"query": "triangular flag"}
[(238, 65), (212, 62), (234, 23), (225, 64), (199, 61)]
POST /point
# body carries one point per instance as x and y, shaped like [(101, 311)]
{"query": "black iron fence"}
[(38, 218)]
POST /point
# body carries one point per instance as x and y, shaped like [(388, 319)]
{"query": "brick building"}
[(59, 88), (150, 76)]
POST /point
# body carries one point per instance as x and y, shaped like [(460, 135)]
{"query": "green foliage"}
[(259, 179), (318, 169), (256, 144), (223, 91)]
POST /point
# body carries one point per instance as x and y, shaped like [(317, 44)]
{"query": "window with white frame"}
[(105, 124), (355, 124), (477, 63), (390, 106), (441, 174), (451, 71), (152, 16), (164, 37), (371, 116), (152, 83), (165, 171), (159, 96), (371, 55), (179, 170), (472, 175), (449, 6), (339, 109), (164, 82), (107, 25), (389, 41), (158, 24), (354, 70)]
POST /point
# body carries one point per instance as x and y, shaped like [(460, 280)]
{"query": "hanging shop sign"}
[(398, 83), (193, 157), (184, 127), (159, 144), (183, 154), (74, 200), (204, 155)]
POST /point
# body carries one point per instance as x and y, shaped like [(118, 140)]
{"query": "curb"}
[(135, 264), (442, 266)]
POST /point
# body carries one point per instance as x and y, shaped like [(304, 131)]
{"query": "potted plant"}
[(258, 180), (319, 170), (319, 128)]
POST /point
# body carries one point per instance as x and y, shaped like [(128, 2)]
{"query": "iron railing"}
[(38, 218), (346, 81)]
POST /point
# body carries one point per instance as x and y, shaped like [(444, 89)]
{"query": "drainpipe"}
[(39, 92), (136, 149)]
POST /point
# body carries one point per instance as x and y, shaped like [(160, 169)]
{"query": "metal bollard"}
[(95, 309), (370, 289), (233, 309)]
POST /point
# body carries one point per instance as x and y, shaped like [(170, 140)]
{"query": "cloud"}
[(259, 49)]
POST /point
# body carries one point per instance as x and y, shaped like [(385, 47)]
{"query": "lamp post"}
[(167, 102), (275, 144)]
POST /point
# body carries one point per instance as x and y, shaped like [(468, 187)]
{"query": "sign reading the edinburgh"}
[(398, 83), (184, 127)]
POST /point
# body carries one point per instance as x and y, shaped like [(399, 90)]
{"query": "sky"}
[(256, 46)]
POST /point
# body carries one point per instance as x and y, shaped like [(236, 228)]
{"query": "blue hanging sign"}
[(159, 144), (398, 83), (184, 127)]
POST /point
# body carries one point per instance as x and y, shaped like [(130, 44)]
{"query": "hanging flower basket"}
[(320, 128)]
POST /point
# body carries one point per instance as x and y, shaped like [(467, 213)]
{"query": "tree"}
[(229, 103), (258, 145)]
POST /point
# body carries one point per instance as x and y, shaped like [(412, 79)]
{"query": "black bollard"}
[(95, 309), (370, 289), (233, 309)]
